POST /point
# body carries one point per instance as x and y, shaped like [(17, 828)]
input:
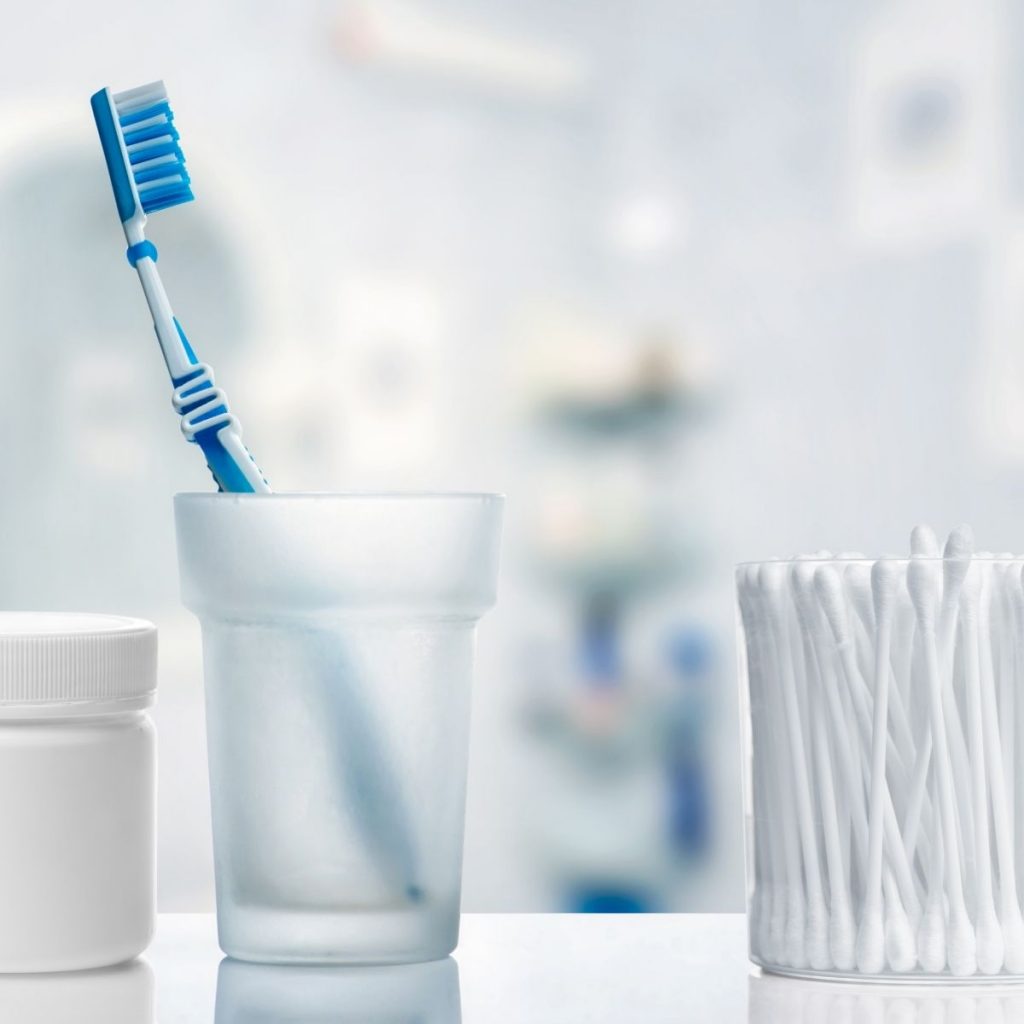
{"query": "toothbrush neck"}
[(135, 229), (178, 357)]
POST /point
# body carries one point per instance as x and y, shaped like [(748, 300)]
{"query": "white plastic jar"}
[(77, 790)]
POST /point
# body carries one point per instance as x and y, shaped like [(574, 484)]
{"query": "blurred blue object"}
[(690, 655), (600, 652), (610, 900)]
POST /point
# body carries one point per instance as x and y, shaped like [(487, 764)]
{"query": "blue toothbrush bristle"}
[(156, 161)]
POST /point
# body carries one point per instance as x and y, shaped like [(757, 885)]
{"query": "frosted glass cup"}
[(338, 637)]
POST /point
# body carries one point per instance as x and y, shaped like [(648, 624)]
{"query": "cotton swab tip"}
[(885, 579), (871, 940), (931, 937), (989, 944), (959, 543), (816, 939), (773, 578), (924, 542), (842, 936), (956, 557), (961, 947), (900, 947), (1013, 941)]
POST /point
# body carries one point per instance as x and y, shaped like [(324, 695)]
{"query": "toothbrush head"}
[(140, 144)]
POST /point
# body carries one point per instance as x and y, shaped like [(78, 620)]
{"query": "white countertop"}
[(509, 967)]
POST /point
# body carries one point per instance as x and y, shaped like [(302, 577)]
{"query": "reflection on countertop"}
[(113, 995), (260, 994), (779, 1000)]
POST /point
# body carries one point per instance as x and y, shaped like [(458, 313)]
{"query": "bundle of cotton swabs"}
[(884, 715)]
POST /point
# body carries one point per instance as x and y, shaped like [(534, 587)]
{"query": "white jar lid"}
[(59, 663)]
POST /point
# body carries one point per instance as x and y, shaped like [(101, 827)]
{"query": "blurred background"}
[(690, 282)]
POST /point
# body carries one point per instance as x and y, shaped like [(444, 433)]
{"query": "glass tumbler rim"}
[(284, 496)]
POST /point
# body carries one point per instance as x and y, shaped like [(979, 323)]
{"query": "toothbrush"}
[(147, 173)]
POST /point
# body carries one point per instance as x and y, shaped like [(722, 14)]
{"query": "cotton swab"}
[(773, 582), (842, 928), (924, 544), (1006, 701), (1010, 921), (923, 584), (829, 592), (900, 941), (871, 934), (788, 925), (857, 580), (956, 560), (898, 938), (988, 933), (1017, 601)]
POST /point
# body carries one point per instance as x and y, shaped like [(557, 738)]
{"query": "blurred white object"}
[(997, 414), (646, 224), (388, 378), (77, 790), (412, 37), (925, 123)]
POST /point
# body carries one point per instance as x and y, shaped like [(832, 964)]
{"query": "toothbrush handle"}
[(205, 420), (174, 346), (203, 407)]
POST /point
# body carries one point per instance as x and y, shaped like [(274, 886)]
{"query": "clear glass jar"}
[(883, 746)]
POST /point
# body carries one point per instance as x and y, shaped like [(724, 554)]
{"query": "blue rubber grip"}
[(226, 472)]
